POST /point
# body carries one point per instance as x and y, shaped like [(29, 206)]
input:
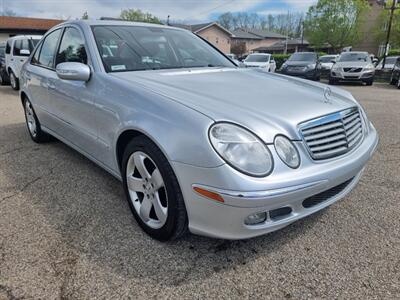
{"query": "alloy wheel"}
[(147, 190), (30, 119)]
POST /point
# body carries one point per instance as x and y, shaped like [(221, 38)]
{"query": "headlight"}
[(335, 68), (241, 149), (311, 66), (287, 152), (284, 65)]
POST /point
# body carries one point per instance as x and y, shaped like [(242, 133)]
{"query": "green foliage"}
[(380, 29), (280, 59), (336, 23), (136, 15), (394, 52), (85, 16)]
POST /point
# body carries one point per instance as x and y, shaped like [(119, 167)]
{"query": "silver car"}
[(198, 143), (353, 66)]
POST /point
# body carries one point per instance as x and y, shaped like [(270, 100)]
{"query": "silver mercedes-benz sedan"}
[(198, 143)]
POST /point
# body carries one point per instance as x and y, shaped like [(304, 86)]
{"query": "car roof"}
[(116, 23), (355, 52)]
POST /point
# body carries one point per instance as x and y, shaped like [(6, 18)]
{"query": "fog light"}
[(256, 218)]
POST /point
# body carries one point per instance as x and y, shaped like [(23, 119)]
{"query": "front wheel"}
[(14, 81), (392, 80), (153, 191), (369, 82)]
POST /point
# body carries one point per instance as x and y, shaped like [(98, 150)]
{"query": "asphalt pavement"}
[(66, 231)]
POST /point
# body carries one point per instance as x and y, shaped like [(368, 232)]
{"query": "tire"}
[(159, 209), (14, 81), (392, 80), (332, 81), (33, 124), (2, 80), (398, 83), (369, 82)]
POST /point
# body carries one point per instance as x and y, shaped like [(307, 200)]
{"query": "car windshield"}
[(326, 59), (257, 58), (351, 56), (303, 57), (134, 48)]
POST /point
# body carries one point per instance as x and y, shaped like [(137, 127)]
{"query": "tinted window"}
[(354, 56), (8, 47), (303, 57), (48, 50), (72, 47), (133, 48), (17, 47), (326, 59)]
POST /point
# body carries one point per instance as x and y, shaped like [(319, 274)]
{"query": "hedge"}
[(280, 59), (394, 52)]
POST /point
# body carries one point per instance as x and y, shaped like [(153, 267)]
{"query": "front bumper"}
[(306, 73), (244, 195), (352, 76)]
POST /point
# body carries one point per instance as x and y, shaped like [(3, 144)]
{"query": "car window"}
[(72, 47), (134, 48), (8, 47), (257, 58), (299, 56), (17, 47), (326, 59), (48, 49), (2, 51)]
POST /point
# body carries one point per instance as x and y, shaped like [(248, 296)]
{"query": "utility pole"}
[(168, 20), (392, 9)]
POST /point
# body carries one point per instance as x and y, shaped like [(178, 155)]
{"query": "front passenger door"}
[(72, 101)]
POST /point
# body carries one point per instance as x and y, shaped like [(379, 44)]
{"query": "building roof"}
[(196, 28), (19, 23), (256, 34), (282, 44)]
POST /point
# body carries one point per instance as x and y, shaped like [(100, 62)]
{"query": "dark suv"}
[(395, 78), (303, 64), (3, 73)]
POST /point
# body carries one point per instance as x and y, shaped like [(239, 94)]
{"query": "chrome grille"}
[(332, 135)]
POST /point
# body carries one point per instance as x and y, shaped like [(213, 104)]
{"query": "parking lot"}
[(66, 230)]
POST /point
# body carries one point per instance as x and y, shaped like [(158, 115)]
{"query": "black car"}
[(3, 73), (303, 64), (395, 78)]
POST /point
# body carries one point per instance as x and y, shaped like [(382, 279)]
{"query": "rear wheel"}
[(33, 125), (3, 81), (369, 82), (152, 190), (392, 80), (398, 83), (14, 81)]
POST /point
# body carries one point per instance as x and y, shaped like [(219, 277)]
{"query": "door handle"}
[(21, 60)]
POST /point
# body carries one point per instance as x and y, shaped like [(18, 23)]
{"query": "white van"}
[(18, 49)]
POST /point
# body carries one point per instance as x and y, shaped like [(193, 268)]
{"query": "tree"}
[(226, 20), (8, 13), (238, 48), (381, 27), (337, 23), (85, 16), (136, 15)]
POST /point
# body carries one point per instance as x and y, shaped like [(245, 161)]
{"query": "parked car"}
[(233, 58), (389, 63), (303, 64), (395, 77), (18, 49), (353, 66), (3, 72), (260, 60), (327, 61), (197, 142)]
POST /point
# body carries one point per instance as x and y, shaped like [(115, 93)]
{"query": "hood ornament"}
[(328, 95)]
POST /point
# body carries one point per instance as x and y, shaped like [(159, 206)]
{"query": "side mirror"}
[(73, 71), (24, 52)]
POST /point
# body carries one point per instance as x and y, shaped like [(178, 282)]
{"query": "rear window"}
[(17, 47), (353, 56), (257, 58)]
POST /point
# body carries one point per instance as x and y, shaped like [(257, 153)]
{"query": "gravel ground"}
[(66, 231)]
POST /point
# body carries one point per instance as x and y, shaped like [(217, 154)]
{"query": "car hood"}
[(267, 104), (352, 64)]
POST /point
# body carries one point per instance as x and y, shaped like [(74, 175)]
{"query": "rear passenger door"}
[(37, 74), (21, 52)]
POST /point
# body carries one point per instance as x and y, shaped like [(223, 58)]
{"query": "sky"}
[(188, 11)]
